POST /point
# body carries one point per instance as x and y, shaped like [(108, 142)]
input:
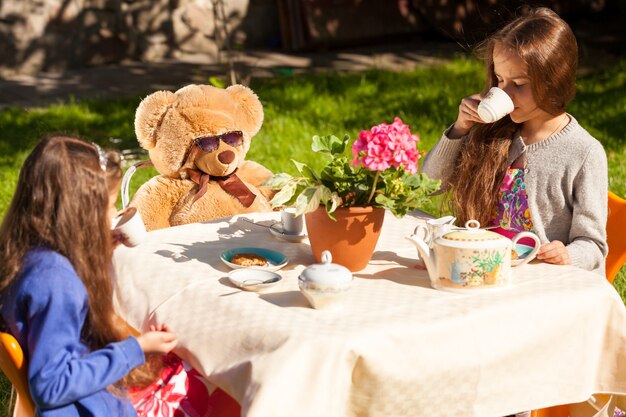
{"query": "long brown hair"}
[(547, 45), (61, 203)]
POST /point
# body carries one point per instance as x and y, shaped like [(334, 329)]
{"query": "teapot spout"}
[(425, 252)]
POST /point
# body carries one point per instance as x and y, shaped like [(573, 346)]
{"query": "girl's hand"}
[(467, 117), (158, 340), (554, 252)]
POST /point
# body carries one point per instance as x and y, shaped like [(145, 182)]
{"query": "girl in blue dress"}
[(56, 290)]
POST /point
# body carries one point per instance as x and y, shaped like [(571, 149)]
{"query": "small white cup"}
[(495, 105), (128, 224), (292, 224)]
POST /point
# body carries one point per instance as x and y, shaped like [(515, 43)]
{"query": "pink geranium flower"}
[(386, 145)]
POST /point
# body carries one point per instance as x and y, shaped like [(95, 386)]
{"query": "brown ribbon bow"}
[(232, 184)]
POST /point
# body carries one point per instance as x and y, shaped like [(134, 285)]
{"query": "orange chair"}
[(14, 367), (614, 261), (615, 236)]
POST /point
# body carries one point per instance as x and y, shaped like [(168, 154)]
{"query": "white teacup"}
[(292, 224), (128, 224), (495, 105)]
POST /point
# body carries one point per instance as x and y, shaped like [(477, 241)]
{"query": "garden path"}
[(130, 78)]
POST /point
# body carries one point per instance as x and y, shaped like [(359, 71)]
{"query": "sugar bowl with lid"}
[(470, 257), (325, 284)]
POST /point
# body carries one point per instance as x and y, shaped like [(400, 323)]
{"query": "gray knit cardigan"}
[(566, 181)]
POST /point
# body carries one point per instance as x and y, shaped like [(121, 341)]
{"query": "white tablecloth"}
[(396, 348)]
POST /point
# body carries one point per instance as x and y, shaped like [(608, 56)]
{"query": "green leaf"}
[(413, 180), (306, 171), (308, 200), (277, 181), (329, 144), (429, 185), (330, 211), (216, 82), (325, 193), (384, 201), (300, 187), (335, 201), (299, 165), (284, 195), (422, 182)]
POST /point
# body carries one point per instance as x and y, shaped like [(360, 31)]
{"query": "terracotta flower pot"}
[(351, 239)]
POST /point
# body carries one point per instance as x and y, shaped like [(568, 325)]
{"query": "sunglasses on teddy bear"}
[(211, 143)]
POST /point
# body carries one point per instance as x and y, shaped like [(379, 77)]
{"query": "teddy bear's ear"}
[(150, 114), (250, 108)]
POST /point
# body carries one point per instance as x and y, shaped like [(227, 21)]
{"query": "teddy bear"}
[(197, 139)]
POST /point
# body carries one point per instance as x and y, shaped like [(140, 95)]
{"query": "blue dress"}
[(45, 309)]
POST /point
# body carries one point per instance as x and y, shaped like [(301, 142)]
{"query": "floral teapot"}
[(471, 257)]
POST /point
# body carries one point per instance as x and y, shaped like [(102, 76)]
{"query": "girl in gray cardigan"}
[(536, 169)]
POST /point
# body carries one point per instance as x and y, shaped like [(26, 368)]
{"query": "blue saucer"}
[(275, 260)]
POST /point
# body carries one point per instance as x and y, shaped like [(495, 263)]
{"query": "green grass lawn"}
[(5, 396), (296, 108)]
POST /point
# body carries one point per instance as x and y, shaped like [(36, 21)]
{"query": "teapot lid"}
[(472, 233), (326, 272)]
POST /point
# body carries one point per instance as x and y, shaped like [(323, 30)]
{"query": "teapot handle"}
[(532, 253), (422, 232)]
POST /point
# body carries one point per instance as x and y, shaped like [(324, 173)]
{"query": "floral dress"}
[(512, 214), (180, 391)]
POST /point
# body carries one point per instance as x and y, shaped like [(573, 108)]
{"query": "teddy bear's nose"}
[(226, 157)]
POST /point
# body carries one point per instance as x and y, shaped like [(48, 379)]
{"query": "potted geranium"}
[(351, 193)]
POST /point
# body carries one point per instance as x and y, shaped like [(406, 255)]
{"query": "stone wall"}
[(53, 35)]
